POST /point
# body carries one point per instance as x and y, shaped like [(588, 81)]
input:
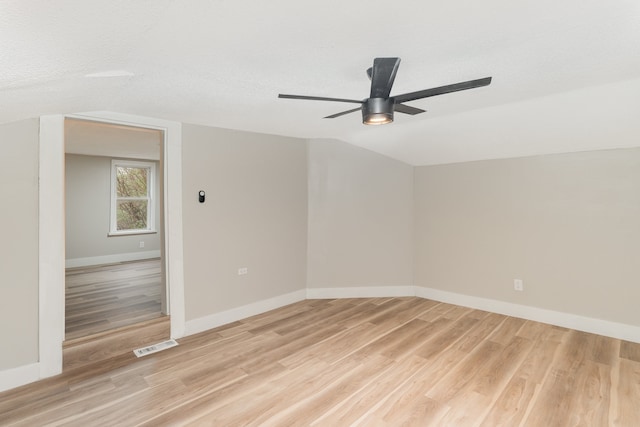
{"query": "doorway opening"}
[(51, 223), (114, 238)]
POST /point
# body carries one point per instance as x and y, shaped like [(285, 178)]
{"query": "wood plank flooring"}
[(100, 347), (101, 298), (366, 362)]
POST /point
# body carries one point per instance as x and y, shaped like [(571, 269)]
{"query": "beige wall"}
[(568, 225), (360, 218), (19, 243), (322, 213), (255, 216), (87, 204)]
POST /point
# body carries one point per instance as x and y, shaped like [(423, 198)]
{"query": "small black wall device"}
[(201, 196)]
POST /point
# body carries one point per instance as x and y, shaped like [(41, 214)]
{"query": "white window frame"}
[(151, 190)]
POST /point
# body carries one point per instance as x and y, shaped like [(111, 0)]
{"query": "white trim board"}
[(566, 320), (361, 292), (111, 259), (15, 377), (52, 224), (211, 321)]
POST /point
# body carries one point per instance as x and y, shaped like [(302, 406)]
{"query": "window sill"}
[(130, 233)]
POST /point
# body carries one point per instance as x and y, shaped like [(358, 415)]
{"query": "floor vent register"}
[(145, 351)]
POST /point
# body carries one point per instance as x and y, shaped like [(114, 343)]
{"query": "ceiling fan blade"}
[(401, 108), (471, 84), (382, 76), (333, 116), (318, 98)]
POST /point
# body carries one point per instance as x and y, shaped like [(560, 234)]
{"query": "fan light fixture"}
[(377, 111)]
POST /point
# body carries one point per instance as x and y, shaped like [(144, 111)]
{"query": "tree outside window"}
[(132, 202)]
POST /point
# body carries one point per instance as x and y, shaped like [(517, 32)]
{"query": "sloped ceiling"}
[(566, 74), (106, 139)]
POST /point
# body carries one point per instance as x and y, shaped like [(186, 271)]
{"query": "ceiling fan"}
[(378, 109)]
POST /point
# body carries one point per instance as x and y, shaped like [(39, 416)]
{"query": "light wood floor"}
[(101, 298), (368, 362)]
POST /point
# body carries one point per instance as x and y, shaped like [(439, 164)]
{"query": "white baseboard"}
[(217, 319), (111, 259), (361, 292), (15, 377), (566, 320)]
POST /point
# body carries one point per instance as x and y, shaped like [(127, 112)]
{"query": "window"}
[(132, 197)]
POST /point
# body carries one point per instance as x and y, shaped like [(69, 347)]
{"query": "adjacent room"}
[(113, 233), (333, 214)]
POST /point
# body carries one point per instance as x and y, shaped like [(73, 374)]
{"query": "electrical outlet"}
[(242, 271), (141, 244), (518, 285)]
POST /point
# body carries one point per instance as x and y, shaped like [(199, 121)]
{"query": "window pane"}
[(131, 182), (132, 214)]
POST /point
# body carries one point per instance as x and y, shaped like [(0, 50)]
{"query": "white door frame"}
[(52, 224)]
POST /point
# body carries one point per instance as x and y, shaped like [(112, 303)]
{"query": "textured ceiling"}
[(566, 74)]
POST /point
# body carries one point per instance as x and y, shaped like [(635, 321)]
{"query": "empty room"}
[(332, 214)]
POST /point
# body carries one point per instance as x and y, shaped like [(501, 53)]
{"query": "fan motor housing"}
[(379, 108), (377, 111)]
